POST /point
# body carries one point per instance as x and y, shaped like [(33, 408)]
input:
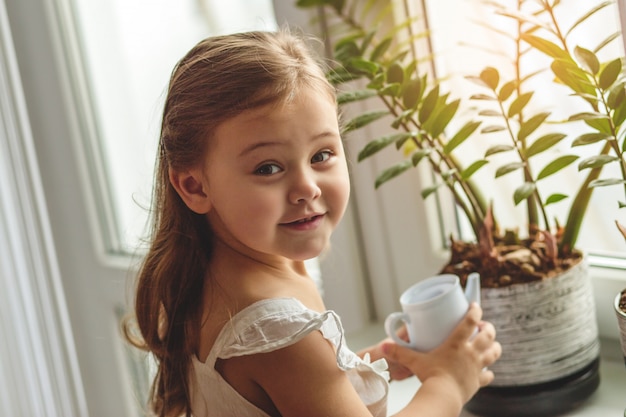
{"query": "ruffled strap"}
[(273, 324)]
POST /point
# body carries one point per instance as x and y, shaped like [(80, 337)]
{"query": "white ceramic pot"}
[(547, 329), (621, 322)]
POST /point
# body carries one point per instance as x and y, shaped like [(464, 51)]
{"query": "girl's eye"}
[(267, 169), (321, 156)]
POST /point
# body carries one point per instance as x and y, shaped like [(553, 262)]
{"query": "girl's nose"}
[(304, 188)]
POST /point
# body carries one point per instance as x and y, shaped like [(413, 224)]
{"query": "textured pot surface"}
[(548, 329), (621, 322)]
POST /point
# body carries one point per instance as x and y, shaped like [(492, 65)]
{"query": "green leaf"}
[(410, 69), (601, 125), (523, 192), (380, 49), (490, 77), (482, 97), (519, 103), (543, 143), (429, 190), (392, 90), (490, 113), (428, 105), (470, 170), (554, 198), (498, 149), (402, 118), (363, 120), (419, 155), (460, 136), (392, 172), (619, 115), (609, 73), (378, 144), (442, 118), (402, 139), (588, 138), (395, 73), (346, 50), (596, 161), (505, 169), (573, 76), (530, 125), (587, 116), (616, 96), (311, 3), (607, 181), (377, 82), (367, 67), (556, 165), (352, 96), (492, 128), (412, 93), (545, 46), (506, 90), (342, 75), (588, 59)]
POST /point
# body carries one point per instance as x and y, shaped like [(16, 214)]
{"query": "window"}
[(129, 48), (463, 46)]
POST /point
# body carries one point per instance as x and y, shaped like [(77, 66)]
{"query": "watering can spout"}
[(472, 288)]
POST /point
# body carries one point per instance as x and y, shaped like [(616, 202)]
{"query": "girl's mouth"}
[(306, 220), (305, 224)]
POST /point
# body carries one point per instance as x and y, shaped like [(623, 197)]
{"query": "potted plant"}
[(620, 310), (534, 282)]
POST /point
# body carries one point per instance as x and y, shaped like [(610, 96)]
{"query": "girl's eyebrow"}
[(258, 145), (264, 144)]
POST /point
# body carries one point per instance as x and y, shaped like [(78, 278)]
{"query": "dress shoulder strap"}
[(272, 324)]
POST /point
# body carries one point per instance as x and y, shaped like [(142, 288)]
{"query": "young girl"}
[(251, 182)]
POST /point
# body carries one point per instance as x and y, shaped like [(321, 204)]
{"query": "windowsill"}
[(608, 400)]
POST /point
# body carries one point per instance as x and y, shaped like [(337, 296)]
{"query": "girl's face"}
[(277, 178)]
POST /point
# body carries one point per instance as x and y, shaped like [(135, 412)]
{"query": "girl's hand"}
[(461, 361), (396, 370)]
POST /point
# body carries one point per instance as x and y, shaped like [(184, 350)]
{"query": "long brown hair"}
[(219, 78)]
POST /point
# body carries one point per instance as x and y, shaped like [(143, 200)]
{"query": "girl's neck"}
[(235, 259)]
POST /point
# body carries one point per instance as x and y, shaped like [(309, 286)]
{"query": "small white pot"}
[(621, 322)]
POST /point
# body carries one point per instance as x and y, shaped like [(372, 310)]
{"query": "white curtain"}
[(38, 368)]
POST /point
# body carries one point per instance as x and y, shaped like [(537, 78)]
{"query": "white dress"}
[(272, 324)]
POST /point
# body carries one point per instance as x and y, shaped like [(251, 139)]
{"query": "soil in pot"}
[(507, 263)]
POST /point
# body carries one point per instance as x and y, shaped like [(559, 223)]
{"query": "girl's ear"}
[(193, 190)]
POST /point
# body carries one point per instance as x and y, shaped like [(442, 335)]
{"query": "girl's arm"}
[(300, 380), (303, 379)]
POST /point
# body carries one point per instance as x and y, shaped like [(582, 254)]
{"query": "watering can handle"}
[(472, 288), (390, 327)]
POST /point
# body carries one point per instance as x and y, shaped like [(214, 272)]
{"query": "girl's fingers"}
[(467, 327), (407, 357), (492, 354), (485, 378), (485, 336)]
